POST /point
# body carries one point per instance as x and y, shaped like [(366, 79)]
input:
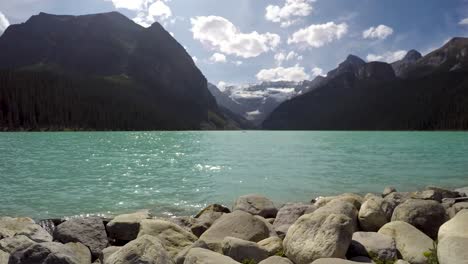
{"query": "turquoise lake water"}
[(45, 175)]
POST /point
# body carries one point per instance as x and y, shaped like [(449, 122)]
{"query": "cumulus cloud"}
[(220, 34), (294, 74), (317, 72), (149, 11), (281, 57), (379, 32), (135, 5), (319, 35), (289, 13), (388, 57), (218, 57), (3, 23), (464, 21)]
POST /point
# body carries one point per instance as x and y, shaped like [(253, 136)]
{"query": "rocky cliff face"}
[(159, 74), (430, 93)]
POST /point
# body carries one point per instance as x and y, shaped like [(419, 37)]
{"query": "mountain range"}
[(417, 93), (105, 72), (100, 72)]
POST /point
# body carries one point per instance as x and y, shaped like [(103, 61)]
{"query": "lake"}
[(46, 175)]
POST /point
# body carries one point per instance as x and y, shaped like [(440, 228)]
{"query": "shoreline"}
[(370, 227)]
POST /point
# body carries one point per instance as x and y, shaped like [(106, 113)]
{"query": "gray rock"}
[(180, 258), (340, 206), (126, 227), (106, 253), (256, 205), (242, 250), (145, 249), (206, 218), (52, 252), (452, 211), (288, 214), (462, 191), (91, 232), (388, 190), (334, 261), (362, 259), (4, 257), (318, 235), (443, 193), (16, 243), (397, 198), (276, 260), (186, 222), (374, 213), (237, 224), (351, 198), (375, 245), (400, 261), (410, 242), (172, 237), (205, 256), (10, 227), (453, 240), (214, 208), (273, 245), (427, 216)]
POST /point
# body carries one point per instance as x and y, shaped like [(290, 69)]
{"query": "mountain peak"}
[(354, 60), (412, 55), (351, 64)]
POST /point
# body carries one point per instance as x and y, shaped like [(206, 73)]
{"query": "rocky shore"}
[(423, 227)]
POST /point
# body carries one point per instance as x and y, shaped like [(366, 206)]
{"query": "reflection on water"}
[(175, 173)]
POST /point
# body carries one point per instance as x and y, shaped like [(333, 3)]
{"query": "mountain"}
[(431, 94), (400, 67), (100, 71), (256, 101)]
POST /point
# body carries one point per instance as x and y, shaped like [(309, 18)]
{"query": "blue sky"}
[(247, 41)]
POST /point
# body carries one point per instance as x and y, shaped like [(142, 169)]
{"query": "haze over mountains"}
[(104, 72)]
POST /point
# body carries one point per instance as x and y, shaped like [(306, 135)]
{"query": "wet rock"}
[(410, 242), (237, 224), (172, 237), (318, 235), (256, 205), (241, 250), (425, 215), (145, 249), (126, 227), (288, 214), (453, 240), (91, 232), (272, 244), (371, 244), (204, 256)]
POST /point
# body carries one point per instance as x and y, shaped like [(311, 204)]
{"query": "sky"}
[(250, 41)]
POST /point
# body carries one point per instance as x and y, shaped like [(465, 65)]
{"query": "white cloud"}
[(135, 5), (288, 14), (319, 35), (388, 57), (220, 34), (281, 57), (195, 59), (238, 63), (3, 23), (317, 72), (464, 21), (149, 11), (159, 10), (222, 86), (294, 74), (379, 32), (218, 57)]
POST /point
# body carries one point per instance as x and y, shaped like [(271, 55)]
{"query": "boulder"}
[(52, 252), (205, 256), (374, 213), (374, 245), (16, 243), (206, 217), (273, 245), (288, 214), (318, 235), (242, 250), (400, 261), (4, 257), (462, 191), (334, 261), (410, 242), (237, 224), (180, 258), (271, 229), (10, 227), (126, 227), (214, 208), (339, 206), (453, 240), (425, 215), (106, 253), (452, 211), (397, 198), (186, 222), (276, 260), (388, 190), (256, 205), (352, 198), (91, 232), (145, 249), (172, 237), (441, 193), (371, 196)]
